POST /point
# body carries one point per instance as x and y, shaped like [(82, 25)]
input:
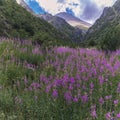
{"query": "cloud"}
[(104, 3), (56, 6), (88, 10), (61, 1), (92, 9), (91, 12)]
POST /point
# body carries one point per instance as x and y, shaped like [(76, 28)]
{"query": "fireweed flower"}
[(71, 87), (48, 88), (118, 115), (35, 85), (55, 93), (84, 98), (101, 80), (94, 114), (72, 80), (68, 96), (75, 99), (108, 116), (101, 101), (108, 97), (58, 83), (91, 85), (115, 102), (93, 111)]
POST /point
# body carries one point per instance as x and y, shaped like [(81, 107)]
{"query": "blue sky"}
[(88, 10)]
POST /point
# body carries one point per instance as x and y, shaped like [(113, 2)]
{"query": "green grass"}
[(19, 101)]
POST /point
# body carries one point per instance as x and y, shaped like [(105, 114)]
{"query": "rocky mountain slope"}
[(16, 22), (75, 34), (105, 33), (74, 21)]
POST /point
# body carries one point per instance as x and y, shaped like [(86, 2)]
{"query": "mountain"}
[(74, 21), (16, 22), (105, 33), (75, 34)]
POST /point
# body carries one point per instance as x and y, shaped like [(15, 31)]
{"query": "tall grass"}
[(57, 84)]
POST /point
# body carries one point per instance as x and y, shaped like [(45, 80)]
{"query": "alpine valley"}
[(67, 24), (58, 67)]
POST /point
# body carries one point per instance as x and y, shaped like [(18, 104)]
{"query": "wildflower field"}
[(60, 83)]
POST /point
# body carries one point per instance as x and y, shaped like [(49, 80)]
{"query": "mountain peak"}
[(117, 3), (116, 6), (74, 21), (107, 28), (68, 16)]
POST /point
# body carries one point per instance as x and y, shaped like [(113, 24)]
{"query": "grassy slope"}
[(15, 21), (105, 32)]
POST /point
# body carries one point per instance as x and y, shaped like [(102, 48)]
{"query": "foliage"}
[(105, 33), (58, 84), (16, 22)]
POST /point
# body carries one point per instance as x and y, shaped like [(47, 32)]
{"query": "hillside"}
[(23, 4), (16, 22), (75, 34), (105, 33)]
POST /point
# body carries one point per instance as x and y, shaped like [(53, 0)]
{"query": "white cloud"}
[(53, 6), (104, 3)]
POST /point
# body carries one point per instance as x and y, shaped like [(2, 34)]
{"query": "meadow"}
[(59, 83)]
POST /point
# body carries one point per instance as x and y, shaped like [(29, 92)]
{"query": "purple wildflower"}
[(93, 111), (108, 97), (108, 116), (84, 98), (55, 93), (101, 80), (35, 85), (101, 100), (68, 96), (118, 115), (72, 80), (115, 102), (75, 99), (91, 85), (48, 88)]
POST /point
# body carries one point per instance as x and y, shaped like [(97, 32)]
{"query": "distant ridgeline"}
[(16, 22), (105, 33)]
